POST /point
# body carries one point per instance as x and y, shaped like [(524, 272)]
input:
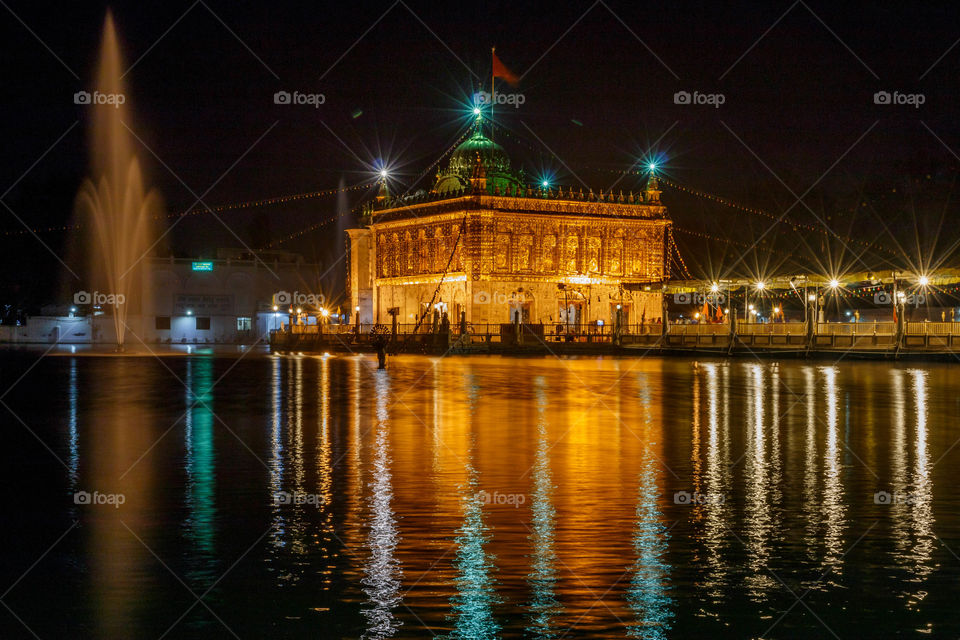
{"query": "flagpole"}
[(493, 53)]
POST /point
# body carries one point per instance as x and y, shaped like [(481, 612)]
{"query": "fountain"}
[(114, 203)]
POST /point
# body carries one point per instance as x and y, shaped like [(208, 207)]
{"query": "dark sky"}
[(599, 79)]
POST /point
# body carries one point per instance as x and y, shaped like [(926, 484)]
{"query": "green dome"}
[(478, 149), (491, 155)]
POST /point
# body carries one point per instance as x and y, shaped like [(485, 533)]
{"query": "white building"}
[(235, 298)]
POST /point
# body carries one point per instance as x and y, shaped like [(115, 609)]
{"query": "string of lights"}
[(436, 291), (199, 210), (436, 164), (312, 227), (707, 236), (673, 245), (780, 219), (866, 293)]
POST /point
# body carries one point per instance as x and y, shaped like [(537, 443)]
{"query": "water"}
[(478, 498), (116, 205)]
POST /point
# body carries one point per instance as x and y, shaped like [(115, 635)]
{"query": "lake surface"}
[(224, 495)]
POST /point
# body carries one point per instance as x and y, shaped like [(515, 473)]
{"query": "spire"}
[(652, 192), (384, 192), (477, 127)]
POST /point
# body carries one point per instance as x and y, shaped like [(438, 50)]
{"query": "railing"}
[(856, 328), (791, 334), (772, 328), (933, 328), (698, 329)]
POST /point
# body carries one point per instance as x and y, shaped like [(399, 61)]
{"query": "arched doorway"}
[(521, 302), (572, 307)]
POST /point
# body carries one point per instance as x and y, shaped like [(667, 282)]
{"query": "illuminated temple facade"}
[(497, 247)]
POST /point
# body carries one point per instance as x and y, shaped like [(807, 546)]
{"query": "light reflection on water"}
[(402, 539), (544, 606), (648, 595), (200, 489), (382, 579), (472, 601)]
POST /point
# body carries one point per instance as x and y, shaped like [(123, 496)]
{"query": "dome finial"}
[(652, 192)]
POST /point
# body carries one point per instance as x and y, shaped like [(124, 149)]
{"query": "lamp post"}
[(761, 285), (566, 309)]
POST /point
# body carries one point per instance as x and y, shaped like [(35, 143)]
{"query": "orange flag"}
[(500, 70)]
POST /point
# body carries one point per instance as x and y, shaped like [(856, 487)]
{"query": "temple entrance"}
[(520, 303), (523, 308), (571, 316), (624, 313)]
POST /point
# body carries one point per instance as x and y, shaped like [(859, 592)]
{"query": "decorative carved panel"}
[(508, 243), (548, 254), (524, 252), (501, 252), (571, 247), (592, 254)]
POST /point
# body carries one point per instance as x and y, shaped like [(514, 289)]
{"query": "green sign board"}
[(203, 266)]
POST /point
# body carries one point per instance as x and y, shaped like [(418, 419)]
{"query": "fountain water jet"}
[(115, 204)]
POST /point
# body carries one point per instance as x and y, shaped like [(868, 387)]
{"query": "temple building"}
[(484, 243)]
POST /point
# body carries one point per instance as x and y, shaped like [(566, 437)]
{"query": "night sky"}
[(598, 80)]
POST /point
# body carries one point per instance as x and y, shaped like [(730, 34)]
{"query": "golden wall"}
[(504, 244)]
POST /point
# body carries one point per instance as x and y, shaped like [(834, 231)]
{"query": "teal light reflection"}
[(201, 459), (476, 590)]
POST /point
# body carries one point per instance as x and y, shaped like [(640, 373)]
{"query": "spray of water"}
[(114, 203)]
